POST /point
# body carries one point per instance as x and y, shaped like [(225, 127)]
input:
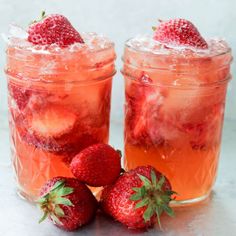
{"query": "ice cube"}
[(16, 31)]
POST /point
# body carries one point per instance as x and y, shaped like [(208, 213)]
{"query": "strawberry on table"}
[(53, 29), (97, 165), (138, 198), (179, 32), (67, 202)]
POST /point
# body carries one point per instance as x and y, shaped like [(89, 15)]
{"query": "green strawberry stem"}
[(154, 28), (151, 196), (51, 201), (42, 16)]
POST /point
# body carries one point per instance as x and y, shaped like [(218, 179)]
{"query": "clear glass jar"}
[(59, 103), (174, 113)]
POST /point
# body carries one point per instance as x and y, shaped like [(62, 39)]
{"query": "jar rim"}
[(62, 82), (180, 86)]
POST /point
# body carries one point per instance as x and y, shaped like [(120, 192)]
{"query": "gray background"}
[(120, 20)]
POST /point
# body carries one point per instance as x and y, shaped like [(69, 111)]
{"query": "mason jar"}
[(174, 112), (59, 103)]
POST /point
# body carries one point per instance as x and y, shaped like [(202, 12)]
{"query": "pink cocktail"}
[(59, 103), (174, 111)]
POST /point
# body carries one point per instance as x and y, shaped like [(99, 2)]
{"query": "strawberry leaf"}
[(55, 219), (168, 210), (59, 212), (165, 198), (45, 215), (161, 182), (142, 203), (63, 201), (154, 178), (136, 190), (145, 181), (64, 191), (142, 191), (148, 213), (57, 185), (43, 199), (135, 197)]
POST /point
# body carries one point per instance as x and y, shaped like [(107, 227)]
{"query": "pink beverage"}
[(174, 110), (59, 103)]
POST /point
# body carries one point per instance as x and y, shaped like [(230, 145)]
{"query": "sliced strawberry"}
[(197, 134), (53, 29), (179, 32), (20, 95), (52, 121), (207, 131), (50, 128), (58, 130), (142, 101)]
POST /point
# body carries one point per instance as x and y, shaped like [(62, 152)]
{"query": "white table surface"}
[(216, 216)]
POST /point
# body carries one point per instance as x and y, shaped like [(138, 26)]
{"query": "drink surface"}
[(174, 111), (59, 103)]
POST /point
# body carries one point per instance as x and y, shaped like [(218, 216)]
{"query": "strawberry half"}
[(53, 29), (179, 32)]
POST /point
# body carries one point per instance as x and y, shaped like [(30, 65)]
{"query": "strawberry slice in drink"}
[(143, 101), (48, 128), (56, 129), (207, 132), (52, 122), (20, 95)]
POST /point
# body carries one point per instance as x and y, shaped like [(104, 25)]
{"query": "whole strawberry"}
[(179, 32), (53, 29), (97, 165), (138, 198), (67, 202)]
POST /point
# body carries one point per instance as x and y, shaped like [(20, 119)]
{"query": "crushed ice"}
[(17, 37), (146, 43)]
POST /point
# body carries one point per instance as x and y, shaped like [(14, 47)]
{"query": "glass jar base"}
[(189, 202)]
